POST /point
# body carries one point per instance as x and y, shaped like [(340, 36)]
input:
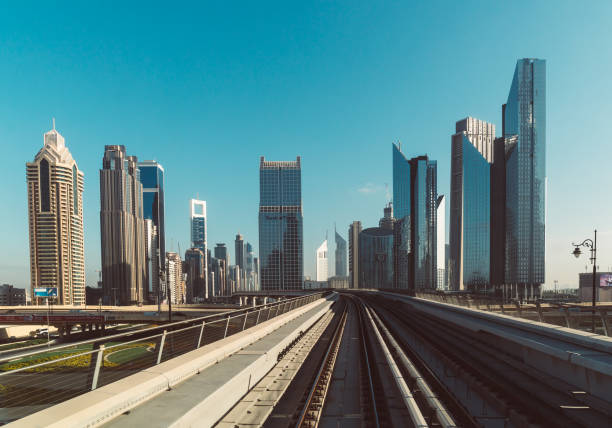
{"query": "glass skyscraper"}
[(524, 128), (470, 221), (280, 225), (152, 179), (340, 255), (415, 202)]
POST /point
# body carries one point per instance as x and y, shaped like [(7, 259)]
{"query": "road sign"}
[(45, 292)]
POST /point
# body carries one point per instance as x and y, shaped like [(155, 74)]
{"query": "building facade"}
[(196, 289), (376, 258), (174, 278), (281, 243), (470, 211), (353, 233), (414, 200), (122, 230), (322, 262), (12, 296), (199, 233), (153, 292), (55, 211), (341, 269), (524, 128), (152, 179), (441, 242)]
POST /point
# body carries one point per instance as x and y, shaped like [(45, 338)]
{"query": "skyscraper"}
[(280, 225), (55, 211), (470, 221), (240, 256), (340, 254), (199, 238), (196, 284), (322, 262), (414, 200), (152, 261), (441, 242), (524, 128), (152, 179), (174, 277), (353, 233), (124, 271), (376, 254)]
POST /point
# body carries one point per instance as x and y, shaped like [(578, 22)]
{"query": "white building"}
[(322, 262), (441, 243)]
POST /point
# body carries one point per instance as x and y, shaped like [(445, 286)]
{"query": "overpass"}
[(370, 358)]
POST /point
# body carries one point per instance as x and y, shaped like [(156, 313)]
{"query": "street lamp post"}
[(592, 245)]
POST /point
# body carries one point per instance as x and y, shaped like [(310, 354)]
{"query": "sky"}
[(206, 88)]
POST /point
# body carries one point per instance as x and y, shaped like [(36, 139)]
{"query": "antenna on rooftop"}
[(54, 124)]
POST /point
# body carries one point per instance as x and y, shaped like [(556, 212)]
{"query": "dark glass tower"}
[(414, 201), (525, 147), (280, 225), (152, 179)]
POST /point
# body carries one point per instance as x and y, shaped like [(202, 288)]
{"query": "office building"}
[(524, 128), (152, 180), (280, 225), (497, 264), (11, 296), (174, 277), (196, 289), (441, 241), (603, 287), (122, 230), (322, 262), (353, 256), (341, 269), (153, 292), (470, 211), (199, 233), (55, 211), (414, 201), (376, 256)]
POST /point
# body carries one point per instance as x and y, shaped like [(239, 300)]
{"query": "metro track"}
[(522, 395)]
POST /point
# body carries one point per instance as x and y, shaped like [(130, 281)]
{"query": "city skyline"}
[(363, 187)]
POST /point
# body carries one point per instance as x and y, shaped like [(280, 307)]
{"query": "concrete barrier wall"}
[(101, 405)]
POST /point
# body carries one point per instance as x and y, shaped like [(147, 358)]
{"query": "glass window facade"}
[(152, 179), (525, 123), (280, 225), (376, 258), (45, 196)]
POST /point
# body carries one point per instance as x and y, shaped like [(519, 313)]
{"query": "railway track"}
[(524, 396)]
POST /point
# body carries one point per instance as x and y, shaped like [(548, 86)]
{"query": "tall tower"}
[(470, 212), (240, 256), (340, 254), (152, 179), (199, 234), (441, 242), (55, 211), (122, 228), (524, 124), (322, 262), (415, 193), (354, 231), (281, 225)]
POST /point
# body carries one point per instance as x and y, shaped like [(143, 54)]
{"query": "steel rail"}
[(442, 415), (322, 380), (416, 416)]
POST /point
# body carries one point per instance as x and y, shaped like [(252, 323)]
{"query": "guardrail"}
[(568, 315), (41, 379)]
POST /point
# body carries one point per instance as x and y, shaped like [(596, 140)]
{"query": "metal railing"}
[(570, 315), (36, 380)]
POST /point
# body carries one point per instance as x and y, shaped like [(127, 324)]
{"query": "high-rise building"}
[(174, 277), (414, 200), (240, 256), (152, 262), (441, 241), (524, 128), (55, 211), (376, 254), (152, 179), (353, 257), (281, 225), (199, 235), (470, 215), (341, 269), (124, 268), (322, 262), (196, 284), (498, 211)]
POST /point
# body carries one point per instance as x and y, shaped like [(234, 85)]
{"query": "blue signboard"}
[(45, 292)]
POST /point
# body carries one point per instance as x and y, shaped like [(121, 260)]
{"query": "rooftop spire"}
[(54, 124)]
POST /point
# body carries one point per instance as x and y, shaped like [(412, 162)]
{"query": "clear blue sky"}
[(208, 88)]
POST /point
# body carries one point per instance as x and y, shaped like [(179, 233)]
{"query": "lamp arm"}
[(586, 243)]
